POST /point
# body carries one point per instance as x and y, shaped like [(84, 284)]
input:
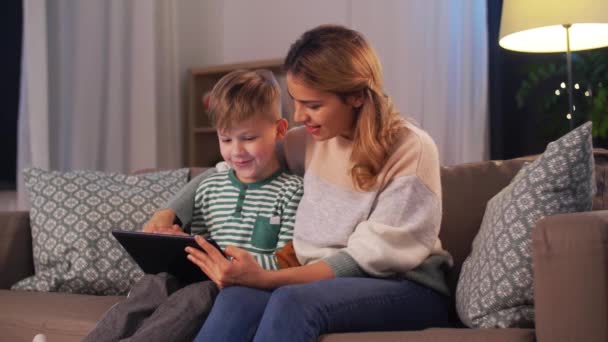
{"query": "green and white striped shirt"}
[(258, 217)]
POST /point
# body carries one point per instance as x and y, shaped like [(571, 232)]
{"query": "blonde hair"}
[(242, 94), (339, 60)]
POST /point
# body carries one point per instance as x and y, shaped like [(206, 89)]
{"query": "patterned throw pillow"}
[(495, 288), (72, 214)]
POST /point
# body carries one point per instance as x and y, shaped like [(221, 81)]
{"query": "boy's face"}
[(249, 147)]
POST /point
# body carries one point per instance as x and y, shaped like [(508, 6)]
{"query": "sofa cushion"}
[(495, 285), (436, 334), (15, 247), (60, 316), (72, 214)]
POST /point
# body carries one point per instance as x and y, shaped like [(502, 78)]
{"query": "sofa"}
[(570, 266)]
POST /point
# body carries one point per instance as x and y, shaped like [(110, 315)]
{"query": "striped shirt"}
[(258, 217)]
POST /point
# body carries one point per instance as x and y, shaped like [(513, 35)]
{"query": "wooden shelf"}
[(204, 130), (200, 140), (226, 68)]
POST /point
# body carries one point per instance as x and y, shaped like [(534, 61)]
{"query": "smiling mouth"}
[(242, 163), (312, 129)]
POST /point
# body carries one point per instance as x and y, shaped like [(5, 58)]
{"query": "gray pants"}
[(157, 309)]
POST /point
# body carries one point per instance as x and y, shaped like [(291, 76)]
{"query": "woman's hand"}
[(162, 222), (241, 269)]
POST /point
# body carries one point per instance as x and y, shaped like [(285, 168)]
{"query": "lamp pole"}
[(569, 67)]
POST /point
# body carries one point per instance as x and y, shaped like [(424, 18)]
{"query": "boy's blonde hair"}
[(339, 60), (242, 94)]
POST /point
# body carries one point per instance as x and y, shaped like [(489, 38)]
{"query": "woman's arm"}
[(182, 203), (294, 275), (162, 222), (242, 269), (180, 206)]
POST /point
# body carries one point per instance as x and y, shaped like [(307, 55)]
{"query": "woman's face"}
[(324, 114)]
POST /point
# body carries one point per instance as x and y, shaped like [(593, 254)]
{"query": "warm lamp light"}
[(554, 26)]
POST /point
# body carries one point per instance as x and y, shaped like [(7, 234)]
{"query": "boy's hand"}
[(162, 222), (172, 230)]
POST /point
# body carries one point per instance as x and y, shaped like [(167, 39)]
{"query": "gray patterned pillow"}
[(71, 216), (495, 288)]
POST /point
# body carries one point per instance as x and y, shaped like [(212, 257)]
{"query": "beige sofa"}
[(570, 255)]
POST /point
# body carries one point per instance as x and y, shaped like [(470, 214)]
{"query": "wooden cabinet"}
[(200, 144)]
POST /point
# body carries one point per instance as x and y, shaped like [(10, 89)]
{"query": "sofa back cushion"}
[(468, 187), (466, 190), (16, 260)]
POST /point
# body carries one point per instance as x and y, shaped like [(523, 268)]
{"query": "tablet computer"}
[(156, 253)]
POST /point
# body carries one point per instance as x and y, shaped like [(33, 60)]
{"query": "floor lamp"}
[(554, 26)]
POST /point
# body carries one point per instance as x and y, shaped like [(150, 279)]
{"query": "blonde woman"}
[(366, 231)]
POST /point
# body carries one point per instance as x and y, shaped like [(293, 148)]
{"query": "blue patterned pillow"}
[(495, 288), (71, 216)]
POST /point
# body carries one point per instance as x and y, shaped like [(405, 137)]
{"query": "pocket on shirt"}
[(265, 235)]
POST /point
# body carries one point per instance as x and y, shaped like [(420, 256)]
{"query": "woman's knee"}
[(289, 300), (234, 295), (292, 313)]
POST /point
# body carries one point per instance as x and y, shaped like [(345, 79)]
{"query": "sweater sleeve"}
[(400, 234), (182, 203)]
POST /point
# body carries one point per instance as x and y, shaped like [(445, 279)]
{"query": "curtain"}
[(33, 133), (99, 81), (434, 55)]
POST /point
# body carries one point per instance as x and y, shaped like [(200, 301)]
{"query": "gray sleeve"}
[(182, 203), (343, 265)]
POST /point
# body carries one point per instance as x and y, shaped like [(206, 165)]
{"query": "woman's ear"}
[(281, 127), (356, 100)]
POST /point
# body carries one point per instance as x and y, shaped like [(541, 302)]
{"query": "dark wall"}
[(10, 65)]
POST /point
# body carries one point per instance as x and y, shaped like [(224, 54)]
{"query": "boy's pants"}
[(157, 309)]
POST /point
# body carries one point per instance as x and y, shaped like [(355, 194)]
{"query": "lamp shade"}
[(537, 25)]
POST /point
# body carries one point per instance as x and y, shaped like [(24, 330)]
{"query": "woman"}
[(367, 227)]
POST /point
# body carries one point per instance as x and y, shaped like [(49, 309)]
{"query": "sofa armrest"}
[(16, 261), (570, 257)]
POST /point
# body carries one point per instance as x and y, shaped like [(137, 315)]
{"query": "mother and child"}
[(351, 246)]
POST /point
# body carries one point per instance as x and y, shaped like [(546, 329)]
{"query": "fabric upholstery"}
[(72, 215), (570, 254), (16, 261), (433, 335), (495, 285)]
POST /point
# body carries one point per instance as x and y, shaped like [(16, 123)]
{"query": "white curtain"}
[(33, 133), (435, 59), (99, 82)]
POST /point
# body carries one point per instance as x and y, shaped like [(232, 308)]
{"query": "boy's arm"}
[(284, 255)]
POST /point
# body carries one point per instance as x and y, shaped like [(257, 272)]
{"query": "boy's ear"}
[(281, 128), (356, 100)]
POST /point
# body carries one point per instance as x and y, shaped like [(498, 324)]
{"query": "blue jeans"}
[(304, 312)]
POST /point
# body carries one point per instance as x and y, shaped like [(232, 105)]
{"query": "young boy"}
[(252, 205)]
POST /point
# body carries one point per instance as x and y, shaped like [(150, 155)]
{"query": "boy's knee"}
[(203, 292), (161, 285)]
